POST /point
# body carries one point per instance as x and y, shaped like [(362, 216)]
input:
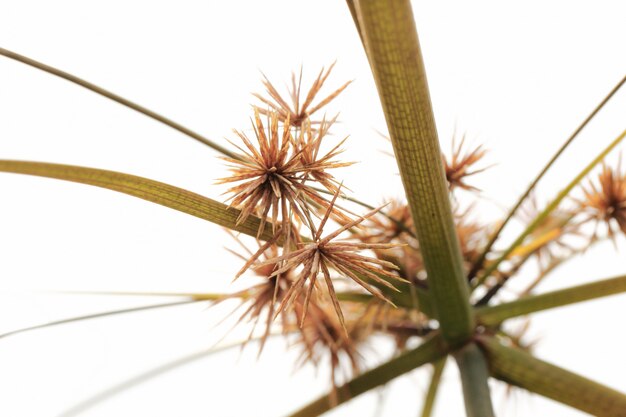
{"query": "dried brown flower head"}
[(459, 166), (298, 111), (606, 200), (273, 177), (321, 255)]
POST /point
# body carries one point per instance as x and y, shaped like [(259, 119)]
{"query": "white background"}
[(517, 78)]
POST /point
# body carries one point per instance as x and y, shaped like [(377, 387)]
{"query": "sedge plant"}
[(335, 272)]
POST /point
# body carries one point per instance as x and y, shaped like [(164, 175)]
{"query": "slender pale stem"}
[(532, 304), (474, 378), (96, 316), (100, 397), (481, 259), (391, 43)]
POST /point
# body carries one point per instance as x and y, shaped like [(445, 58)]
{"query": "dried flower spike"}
[(296, 113), (606, 201)]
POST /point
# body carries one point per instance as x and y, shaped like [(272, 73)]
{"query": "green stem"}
[(432, 349), (433, 387), (390, 39), (481, 259), (523, 370), (121, 100), (474, 377), (495, 315), (549, 209)]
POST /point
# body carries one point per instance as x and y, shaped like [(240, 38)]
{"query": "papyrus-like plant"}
[(335, 272)]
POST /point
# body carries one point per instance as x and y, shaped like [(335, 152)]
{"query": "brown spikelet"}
[(259, 301), (459, 166), (298, 111), (605, 201)]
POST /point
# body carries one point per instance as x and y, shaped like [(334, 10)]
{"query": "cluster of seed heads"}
[(315, 283)]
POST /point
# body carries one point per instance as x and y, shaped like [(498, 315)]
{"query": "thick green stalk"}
[(523, 370), (390, 39), (531, 304), (433, 387), (474, 377), (432, 349)]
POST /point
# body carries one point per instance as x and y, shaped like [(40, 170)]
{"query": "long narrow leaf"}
[(121, 100), (523, 370), (432, 349), (150, 190), (532, 304), (390, 38)]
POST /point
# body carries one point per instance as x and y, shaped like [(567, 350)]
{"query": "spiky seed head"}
[(299, 111)]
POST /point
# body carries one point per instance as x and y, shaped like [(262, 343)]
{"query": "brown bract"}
[(606, 200), (296, 113)]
